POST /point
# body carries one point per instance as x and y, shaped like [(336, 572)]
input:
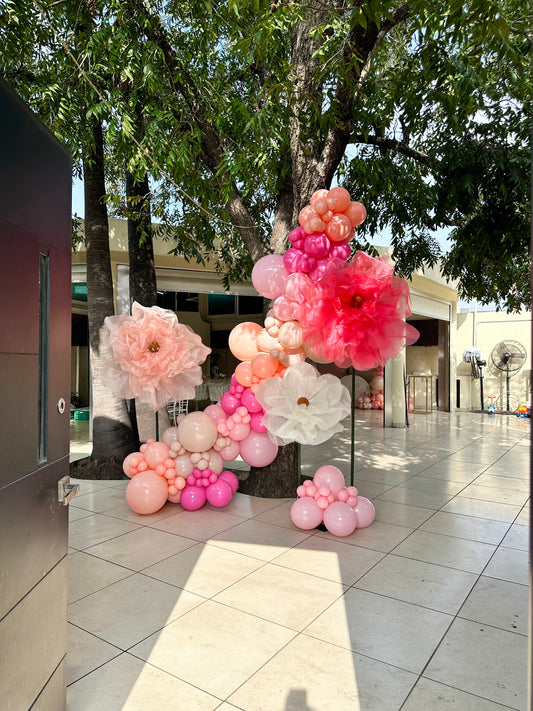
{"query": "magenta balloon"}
[(250, 402), (258, 450), (230, 452), (331, 476), (229, 403), (321, 268), (340, 519), (256, 422), (341, 250), (297, 236), (219, 493), (193, 497), (147, 492), (365, 512), (269, 276), (215, 412), (305, 513), (292, 259), (231, 479), (317, 245)]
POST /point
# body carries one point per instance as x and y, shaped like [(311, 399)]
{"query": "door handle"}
[(66, 491)]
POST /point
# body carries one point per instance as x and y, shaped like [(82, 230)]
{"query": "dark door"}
[(35, 185)]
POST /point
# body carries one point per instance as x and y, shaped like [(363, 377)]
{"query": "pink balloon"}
[(170, 435), (256, 422), (282, 309), (340, 519), (338, 228), (317, 245), (156, 453), (216, 463), (230, 452), (292, 260), (197, 432), (328, 475), (229, 403), (297, 236), (365, 512), (341, 250), (318, 272), (250, 402), (147, 492), (193, 497), (305, 513), (215, 412), (183, 465), (231, 479), (269, 276), (219, 494), (174, 498), (240, 431), (132, 459), (258, 450)]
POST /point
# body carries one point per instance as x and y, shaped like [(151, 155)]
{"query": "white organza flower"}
[(303, 406)]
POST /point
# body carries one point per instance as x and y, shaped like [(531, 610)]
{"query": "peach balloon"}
[(356, 213), (305, 214), (156, 453), (263, 365), (265, 342), (338, 228), (318, 195), (244, 373), (197, 432), (290, 335), (170, 435), (314, 224), (242, 340), (147, 492), (338, 199)]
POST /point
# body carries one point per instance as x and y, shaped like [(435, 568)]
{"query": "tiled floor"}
[(228, 609)]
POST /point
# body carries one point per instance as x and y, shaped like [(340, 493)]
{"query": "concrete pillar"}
[(394, 392)]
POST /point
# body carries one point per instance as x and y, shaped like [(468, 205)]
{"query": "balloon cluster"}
[(373, 399), (327, 500)]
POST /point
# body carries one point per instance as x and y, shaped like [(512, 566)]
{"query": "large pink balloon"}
[(156, 453), (193, 497), (147, 492), (269, 276), (328, 475), (197, 432), (340, 519), (258, 450), (219, 493), (242, 340), (305, 513), (365, 512), (230, 452), (230, 478)]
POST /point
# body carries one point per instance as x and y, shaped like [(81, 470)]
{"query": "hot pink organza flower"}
[(355, 314), (156, 358)]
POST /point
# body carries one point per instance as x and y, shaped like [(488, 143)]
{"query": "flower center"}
[(357, 301), (153, 346), (303, 401)]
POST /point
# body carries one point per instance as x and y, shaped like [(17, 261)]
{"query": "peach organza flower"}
[(156, 358), (355, 315)]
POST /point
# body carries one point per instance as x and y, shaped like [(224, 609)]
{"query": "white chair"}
[(178, 407)]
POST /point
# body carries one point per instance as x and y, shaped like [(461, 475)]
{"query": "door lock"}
[(66, 491)]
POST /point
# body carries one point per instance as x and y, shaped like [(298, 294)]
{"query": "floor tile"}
[(124, 512), (215, 647), (379, 536), (498, 603), (434, 486), (459, 553), (420, 583), (140, 548), (248, 506), (452, 474), (415, 497), (98, 500), (87, 574), (330, 559), (145, 606), (86, 653), (400, 514), (509, 564), (75, 514), (95, 529), (497, 494), (311, 674), (504, 483), (382, 628), (128, 684), (281, 595), (517, 537), (382, 476), (198, 525), (429, 695), (473, 528), (483, 509), (484, 661), (279, 516), (204, 569), (258, 539)]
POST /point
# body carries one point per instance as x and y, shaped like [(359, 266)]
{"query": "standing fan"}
[(474, 358), (508, 357)]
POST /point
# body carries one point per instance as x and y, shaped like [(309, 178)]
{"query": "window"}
[(187, 301), (220, 304), (250, 305), (79, 291)]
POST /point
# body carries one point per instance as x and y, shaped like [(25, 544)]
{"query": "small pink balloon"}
[(216, 463), (330, 476), (147, 492), (170, 435), (256, 422), (193, 497), (156, 453), (282, 309), (231, 479), (184, 465), (174, 498), (340, 519), (291, 259), (269, 275), (219, 494), (306, 514), (215, 412), (258, 450), (297, 235), (240, 431), (365, 512), (230, 452), (229, 403), (250, 402)]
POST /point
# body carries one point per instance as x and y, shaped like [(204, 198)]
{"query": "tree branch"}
[(391, 144)]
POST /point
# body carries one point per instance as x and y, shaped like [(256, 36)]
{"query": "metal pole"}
[(352, 431)]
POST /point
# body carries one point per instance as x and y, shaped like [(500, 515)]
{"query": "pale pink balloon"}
[(242, 340), (306, 514), (216, 463), (294, 356), (197, 432), (240, 431), (365, 512), (132, 459), (193, 497), (282, 309), (147, 492), (219, 493), (215, 412), (258, 450), (174, 498), (295, 287), (340, 519), (156, 453), (170, 435), (290, 335), (269, 276), (184, 465), (338, 228), (330, 476), (265, 342), (230, 452)]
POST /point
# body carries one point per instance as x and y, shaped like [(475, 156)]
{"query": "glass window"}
[(166, 300), (250, 305), (187, 301), (220, 304), (79, 291)]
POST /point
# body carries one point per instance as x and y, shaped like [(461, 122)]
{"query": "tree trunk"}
[(112, 434), (143, 288), (278, 480)]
